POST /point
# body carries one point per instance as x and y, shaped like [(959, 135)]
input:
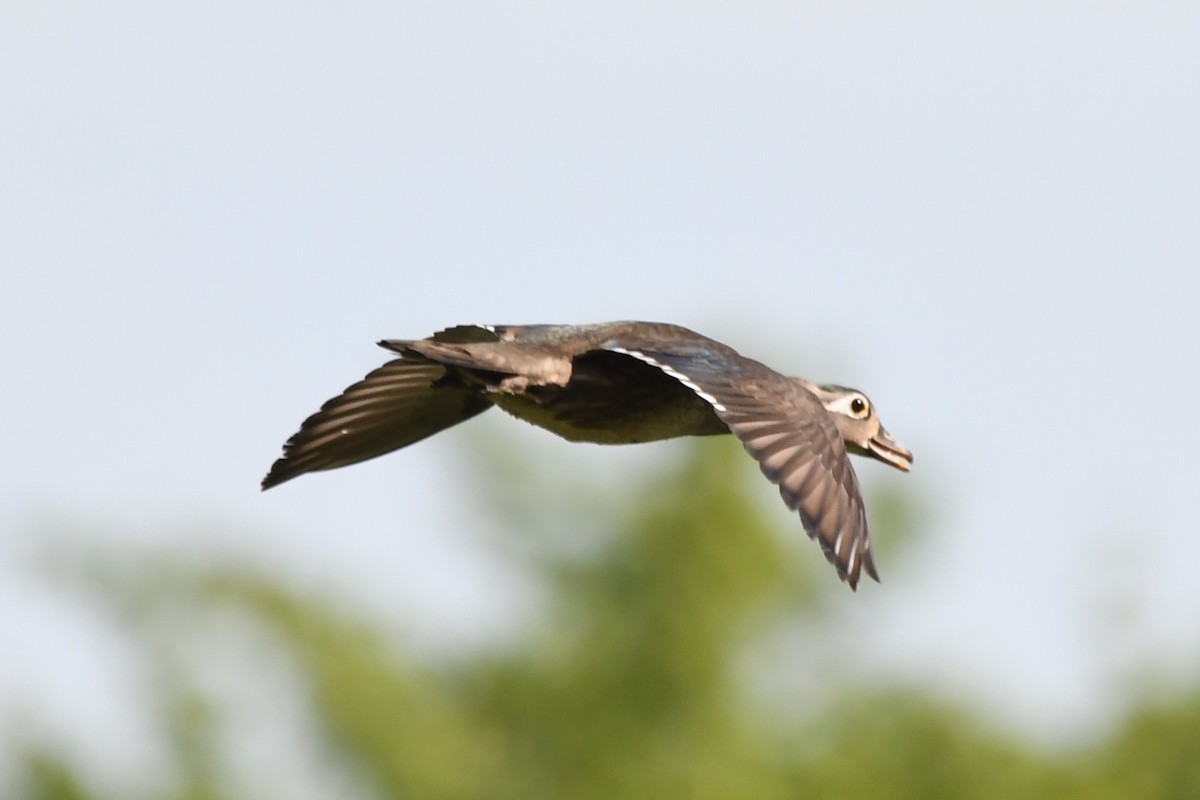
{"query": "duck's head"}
[(860, 427)]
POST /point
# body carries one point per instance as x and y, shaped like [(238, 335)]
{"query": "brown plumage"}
[(616, 383)]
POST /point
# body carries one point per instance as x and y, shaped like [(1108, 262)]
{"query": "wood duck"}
[(616, 383)]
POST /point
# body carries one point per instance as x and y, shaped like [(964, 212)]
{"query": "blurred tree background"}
[(647, 671)]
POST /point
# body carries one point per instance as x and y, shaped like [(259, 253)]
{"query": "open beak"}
[(883, 447)]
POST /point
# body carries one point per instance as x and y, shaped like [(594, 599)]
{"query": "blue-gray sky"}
[(985, 215)]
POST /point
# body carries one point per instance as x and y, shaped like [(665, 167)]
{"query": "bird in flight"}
[(617, 383)]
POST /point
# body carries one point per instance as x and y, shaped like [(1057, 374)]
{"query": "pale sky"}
[(986, 216)]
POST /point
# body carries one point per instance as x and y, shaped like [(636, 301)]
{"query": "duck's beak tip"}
[(883, 447)]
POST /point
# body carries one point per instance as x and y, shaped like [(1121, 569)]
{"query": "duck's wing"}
[(402, 402), (790, 434)]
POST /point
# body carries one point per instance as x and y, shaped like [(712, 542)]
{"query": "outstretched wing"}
[(794, 439), (400, 403)]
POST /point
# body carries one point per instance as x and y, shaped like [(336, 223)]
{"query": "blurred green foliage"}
[(632, 684)]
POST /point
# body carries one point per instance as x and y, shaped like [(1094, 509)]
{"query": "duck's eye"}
[(858, 407)]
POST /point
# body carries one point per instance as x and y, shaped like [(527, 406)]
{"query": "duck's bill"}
[(883, 447)]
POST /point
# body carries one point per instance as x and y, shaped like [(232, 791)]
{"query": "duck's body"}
[(615, 383)]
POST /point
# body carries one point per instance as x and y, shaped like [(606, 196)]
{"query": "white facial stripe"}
[(841, 405), (674, 373)]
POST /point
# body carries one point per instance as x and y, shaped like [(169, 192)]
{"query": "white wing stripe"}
[(674, 373)]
